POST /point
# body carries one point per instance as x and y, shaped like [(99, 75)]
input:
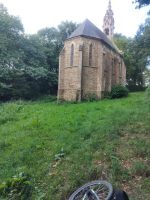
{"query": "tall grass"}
[(65, 146)]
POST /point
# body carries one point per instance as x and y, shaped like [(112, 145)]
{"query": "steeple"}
[(109, 22), (109, 4)]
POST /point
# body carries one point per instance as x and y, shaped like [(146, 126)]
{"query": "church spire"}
[(109, 22)]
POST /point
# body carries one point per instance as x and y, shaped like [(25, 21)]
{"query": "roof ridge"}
[(88, 29), (84, 24)]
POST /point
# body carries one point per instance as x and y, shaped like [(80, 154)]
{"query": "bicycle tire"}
[(79, 193)]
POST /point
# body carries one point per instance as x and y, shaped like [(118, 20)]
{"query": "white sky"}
[(38, 14)]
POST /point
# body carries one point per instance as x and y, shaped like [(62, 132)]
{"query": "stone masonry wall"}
[(69, 74), (90, 70), (84, 77)]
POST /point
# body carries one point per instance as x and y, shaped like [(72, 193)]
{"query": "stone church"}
[(90, 62)]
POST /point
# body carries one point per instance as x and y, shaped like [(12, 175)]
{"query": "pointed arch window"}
[(120, 72), (112, 76), (90, 56), (104, 67), (72, 54)]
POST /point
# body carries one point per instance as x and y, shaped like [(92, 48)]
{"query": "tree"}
[(53, 42), (49, 39), (124, 43), (23, 66), (11, 32), (29, 63), (65, 29), (142, 39), (136, 52), (142, 3)]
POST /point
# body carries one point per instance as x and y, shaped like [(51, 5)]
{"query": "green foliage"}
[(53, 42), (59, 155), (91, 98), (136, 88), (17, 187), (29, 63), (47, 99), (136, 53), (65, 29), (147, 95), (141, 169), (148, 92), (66, 146), (142, 3), (119, 91), (107, 95), (65, 102)]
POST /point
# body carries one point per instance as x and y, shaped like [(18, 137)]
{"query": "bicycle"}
[(98, 190)]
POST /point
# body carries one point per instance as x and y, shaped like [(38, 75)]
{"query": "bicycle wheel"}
[(103, 189)]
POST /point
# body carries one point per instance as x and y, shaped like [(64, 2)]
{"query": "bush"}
[(17, 187), (119, 91), (46, 98), (107, 95), (66, 102), (136, 88), (148, 92), (91, 98), (147, 95)]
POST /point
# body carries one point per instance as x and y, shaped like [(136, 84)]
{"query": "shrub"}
[(119, 91), (136, 88), (147, 96), (91, 98), (66, 102), (17, 187), (148, 92), (47, 98), (107, 95)]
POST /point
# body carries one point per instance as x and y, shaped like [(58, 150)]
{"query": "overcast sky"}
[(38, 14)]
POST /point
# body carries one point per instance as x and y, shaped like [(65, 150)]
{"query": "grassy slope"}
[(106, 140)]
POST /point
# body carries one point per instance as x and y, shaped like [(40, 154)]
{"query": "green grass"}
[(63, 147)]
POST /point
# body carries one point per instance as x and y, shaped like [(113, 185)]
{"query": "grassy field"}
[(62, 147)]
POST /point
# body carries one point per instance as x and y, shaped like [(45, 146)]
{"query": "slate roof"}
[(88, 29)]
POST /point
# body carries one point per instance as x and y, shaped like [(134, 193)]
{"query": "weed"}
[(17, 187), (140, 147), (4, 144), (65, 102), (107, 95), (66, 146), (146, 184), (90, 98), (141, 169), (59, 155), (46, 99)]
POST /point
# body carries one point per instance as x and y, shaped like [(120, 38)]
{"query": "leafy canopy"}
[(136, 53), (142, 3), (29, 63)]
